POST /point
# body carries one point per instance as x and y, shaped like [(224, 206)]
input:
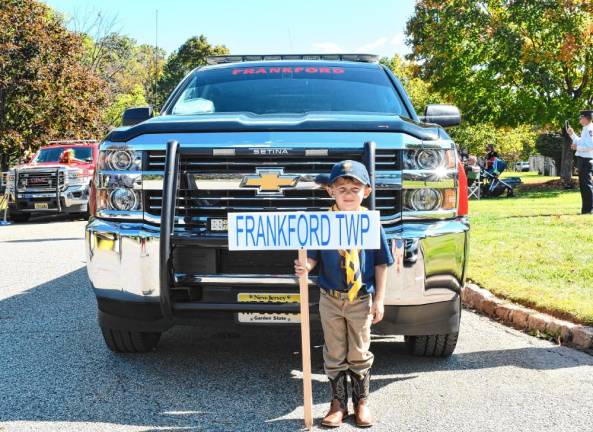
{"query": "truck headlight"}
[(76, 177), (120, 159), (430, 199), (429, 159), (424, 199), (118, 192), (123, 199)]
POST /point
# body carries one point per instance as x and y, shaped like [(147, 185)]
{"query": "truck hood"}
[(245, 122), (46, 165), (54, 165)]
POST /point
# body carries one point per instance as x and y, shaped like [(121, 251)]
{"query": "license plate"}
[(217, 224), (268, 298), (39, 206), (268, 318)]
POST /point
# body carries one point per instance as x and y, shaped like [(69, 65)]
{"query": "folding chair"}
[(474, 187)]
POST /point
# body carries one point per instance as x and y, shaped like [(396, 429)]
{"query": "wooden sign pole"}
[(306, 343)]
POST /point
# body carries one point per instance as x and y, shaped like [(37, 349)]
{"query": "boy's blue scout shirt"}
[(333, 277)]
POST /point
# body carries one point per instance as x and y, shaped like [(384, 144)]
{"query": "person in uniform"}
[(584, 153), (352, 290)]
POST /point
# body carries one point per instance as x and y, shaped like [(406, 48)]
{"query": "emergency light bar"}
[(363, 58), (69, 142)]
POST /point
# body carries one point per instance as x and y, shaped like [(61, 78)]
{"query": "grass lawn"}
[(535, 249)]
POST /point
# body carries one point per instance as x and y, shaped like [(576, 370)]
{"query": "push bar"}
[(167, 221)]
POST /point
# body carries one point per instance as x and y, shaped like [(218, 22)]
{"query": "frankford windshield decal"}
[(279, 70)]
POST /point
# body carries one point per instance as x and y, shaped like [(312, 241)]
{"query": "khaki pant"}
[(347, 334)]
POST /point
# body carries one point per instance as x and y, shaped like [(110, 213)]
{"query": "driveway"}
[(57, 374)]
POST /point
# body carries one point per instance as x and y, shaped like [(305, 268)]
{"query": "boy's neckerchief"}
[(351, 263)]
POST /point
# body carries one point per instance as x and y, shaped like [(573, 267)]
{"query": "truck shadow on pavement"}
[(42, 240), (54, 367), (43, 219)]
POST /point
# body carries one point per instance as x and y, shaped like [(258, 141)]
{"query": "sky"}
[(257, 26)]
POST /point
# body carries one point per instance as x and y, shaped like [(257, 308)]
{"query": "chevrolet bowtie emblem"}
[(269, 181)]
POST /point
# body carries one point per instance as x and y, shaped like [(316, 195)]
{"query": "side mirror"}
[(136, 115), (443, 115)]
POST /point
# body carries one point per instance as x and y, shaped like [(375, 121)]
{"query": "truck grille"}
[(206, 162), (195, 206), (40, 180)]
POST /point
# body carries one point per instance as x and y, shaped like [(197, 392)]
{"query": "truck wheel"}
[(124, 341), (19, 217), (432, 346)]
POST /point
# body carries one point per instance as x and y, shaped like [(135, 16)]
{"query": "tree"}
[(45, 91), (420, 91), (550, 144), (513, 144), (113, 114), (191, 54), (130, 70), (508, 62), (151, 62), (117, 58)]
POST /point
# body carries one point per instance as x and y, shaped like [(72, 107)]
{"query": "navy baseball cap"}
[(346, 168)]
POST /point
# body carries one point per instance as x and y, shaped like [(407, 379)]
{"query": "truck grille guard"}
[(168, 239), (58, 175)]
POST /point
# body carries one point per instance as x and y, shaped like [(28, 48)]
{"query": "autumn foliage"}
[(45, 90), (508, 63)]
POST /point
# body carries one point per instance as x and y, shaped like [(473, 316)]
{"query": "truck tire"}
[(19, 217), (432, 346), (124, 341)]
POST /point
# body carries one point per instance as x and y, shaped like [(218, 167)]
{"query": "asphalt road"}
[(57, 374)]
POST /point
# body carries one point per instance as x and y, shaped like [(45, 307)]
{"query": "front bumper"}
[(73, 199), (422, 294)]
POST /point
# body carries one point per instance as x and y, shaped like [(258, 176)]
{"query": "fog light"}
[(123, 199), (121, 160), (424, 199)]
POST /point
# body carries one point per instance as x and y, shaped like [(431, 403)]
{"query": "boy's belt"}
[(343, 295)]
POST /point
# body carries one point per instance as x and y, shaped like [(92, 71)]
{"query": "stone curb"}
[(523, 318)]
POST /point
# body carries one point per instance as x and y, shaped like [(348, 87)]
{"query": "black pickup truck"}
[(251, 133)]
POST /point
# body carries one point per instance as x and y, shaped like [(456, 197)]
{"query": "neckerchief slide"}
[(351, 262)]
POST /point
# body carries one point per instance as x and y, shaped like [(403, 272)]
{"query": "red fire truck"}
[(55, 181)]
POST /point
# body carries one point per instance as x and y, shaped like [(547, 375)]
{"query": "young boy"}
[(351, 298)]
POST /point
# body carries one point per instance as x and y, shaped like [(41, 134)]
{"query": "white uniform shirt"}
[(585, 142)]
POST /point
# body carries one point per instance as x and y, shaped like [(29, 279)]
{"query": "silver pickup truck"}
[(251, 133)]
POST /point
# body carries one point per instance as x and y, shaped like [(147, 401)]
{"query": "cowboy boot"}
[(360, 395), (339, 404)]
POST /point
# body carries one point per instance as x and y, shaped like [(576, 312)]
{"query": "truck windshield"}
[(53, 154), (296, 88)]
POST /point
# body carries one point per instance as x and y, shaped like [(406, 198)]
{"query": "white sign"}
[(304, 230)]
